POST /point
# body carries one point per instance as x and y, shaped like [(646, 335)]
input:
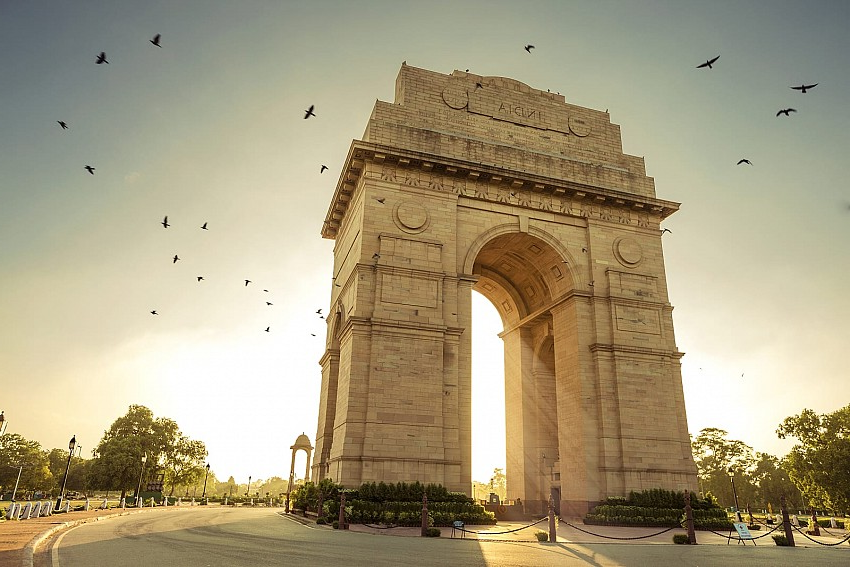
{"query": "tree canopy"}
[(820, 463)]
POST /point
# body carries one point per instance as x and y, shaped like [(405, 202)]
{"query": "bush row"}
[(410, 513)]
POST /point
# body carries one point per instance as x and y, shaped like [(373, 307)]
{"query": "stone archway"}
[(512, 192)]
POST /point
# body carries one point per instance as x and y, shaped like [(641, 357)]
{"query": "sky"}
[(209, 128)]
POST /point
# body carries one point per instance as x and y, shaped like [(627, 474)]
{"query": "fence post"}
[(342, 524), (553, 532), (424, 514), (786, 522), (689, 519)]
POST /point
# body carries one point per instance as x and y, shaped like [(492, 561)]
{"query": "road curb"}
[(29, 549)]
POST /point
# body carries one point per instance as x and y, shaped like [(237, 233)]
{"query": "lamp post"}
[(71, 444), (735, 494), (248, 490), (3, 423), (205, 482), (141, 472), (20, 470)]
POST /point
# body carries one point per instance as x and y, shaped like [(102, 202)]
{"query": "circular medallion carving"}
[(411, 217), (456, 97), (628, 252), (579, 126)]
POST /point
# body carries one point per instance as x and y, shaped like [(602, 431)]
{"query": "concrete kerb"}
[(29, 549)]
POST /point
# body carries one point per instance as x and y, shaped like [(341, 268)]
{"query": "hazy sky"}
[(209, 129)]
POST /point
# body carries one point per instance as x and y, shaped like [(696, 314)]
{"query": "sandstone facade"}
[(469, 182)]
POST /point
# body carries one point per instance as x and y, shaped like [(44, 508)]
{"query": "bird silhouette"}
[(663, 230), (174, 260), (200, 278), (745, 160), (164, 222), (312, 334), (309, 112), (62, 124), (154, 312), (268, 302), (375, 256), (708, 63), (155, 40), (102, 58), (590, 284), (786, 111), (583, 249), (319, 311), (204, 226), (267, 329), (322, 170), (247, 282), (265, 290), (381, 200), (529, 47), (804, 88), (90, 169), (478, 86)]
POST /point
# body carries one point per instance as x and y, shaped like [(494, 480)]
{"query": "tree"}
[(15, 452), (77, 472), (184, 462), (715, 456), (498, 483), (820, 463)]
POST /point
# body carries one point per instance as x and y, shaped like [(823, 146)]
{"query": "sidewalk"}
[(15, 535)]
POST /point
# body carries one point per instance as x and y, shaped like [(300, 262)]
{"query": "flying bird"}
[(174, 260), (267, 329), (478, 86), (265, 290), (62, 124), (154, 312), (319, 311), (309, 112), (375, 256), (529, 47), (204, 226), (102, 58), (381, 200), (322, 170), (804, 88), (312, 334), (200, 278), (268, 302), (155, 40), (666, 230), (247, 282), (90, 169), (745, 160), (164, 222), (708, 63), (785, 111), (590, 284), (584, 249)]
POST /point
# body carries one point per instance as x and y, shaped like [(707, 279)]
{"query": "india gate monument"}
[(464, 183)]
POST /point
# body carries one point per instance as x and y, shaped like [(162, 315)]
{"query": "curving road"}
[(233, 537)]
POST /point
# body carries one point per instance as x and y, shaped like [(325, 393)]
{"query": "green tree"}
[(820, 463), (715, 456), (77, 473), (184, 462), (16, 451), (498, 483)]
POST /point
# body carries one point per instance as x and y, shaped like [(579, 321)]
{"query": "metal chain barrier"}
[(620, 538), (484, 532), (805, 535)]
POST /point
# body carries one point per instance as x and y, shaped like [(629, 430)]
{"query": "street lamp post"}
[(3, 423), (71, 444), (735, 494), (141, 472), (248, 490), (205, 482), (15, 491)]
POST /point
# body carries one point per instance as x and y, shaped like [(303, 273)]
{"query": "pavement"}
[(19, 539)]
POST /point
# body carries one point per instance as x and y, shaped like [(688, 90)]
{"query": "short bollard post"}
[(815, 529), (424, 515), (689, 519), (553, 531), (342, 524), (123, 503), (786, 522)]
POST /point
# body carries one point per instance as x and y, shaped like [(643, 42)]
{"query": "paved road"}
[(195, 537)]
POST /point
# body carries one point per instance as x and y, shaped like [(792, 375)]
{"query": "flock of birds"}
[(804, 88), (309, 113)]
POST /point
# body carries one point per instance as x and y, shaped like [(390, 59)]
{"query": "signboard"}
[(743, 531)]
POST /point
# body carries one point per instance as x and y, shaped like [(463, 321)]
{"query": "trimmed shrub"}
[(780, 539), (432, 532), (321, 521), (541, 535), (335, 524), (681, 538)]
